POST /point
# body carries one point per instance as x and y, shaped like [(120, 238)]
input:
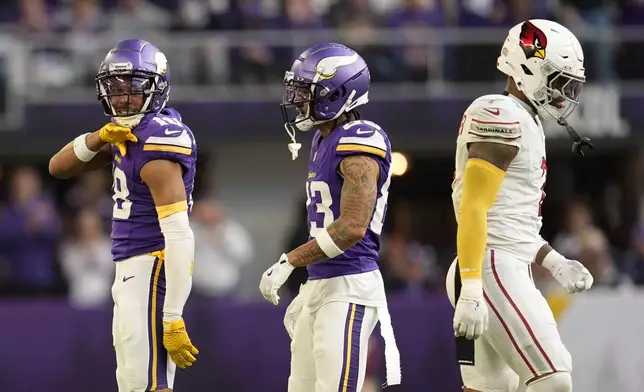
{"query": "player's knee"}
[(555, 382)]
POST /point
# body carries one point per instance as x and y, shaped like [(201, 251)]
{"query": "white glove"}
[(274, 278), (571, 274), (470, 315), (292, 314)]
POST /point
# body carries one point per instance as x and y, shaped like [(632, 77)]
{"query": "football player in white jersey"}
[(506, 333)]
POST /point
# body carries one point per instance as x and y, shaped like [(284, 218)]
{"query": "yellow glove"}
[(178, 344), (117, 135)]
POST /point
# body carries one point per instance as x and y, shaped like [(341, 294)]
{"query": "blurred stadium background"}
[(428, 58)]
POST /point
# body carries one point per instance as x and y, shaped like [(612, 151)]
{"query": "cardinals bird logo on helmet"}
[(533, 41)]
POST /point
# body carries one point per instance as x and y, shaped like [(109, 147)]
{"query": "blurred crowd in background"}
[(54, 236), (363, 24), (54, 241)]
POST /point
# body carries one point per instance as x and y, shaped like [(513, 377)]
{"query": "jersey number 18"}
[(120, 193)]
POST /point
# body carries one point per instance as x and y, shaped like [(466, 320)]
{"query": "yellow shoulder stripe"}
[(361, 148), (167, 210), (166, 148)]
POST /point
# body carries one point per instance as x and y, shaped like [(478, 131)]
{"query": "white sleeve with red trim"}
[(496, 122)]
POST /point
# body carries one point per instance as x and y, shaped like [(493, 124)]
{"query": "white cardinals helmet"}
[(546, 62)]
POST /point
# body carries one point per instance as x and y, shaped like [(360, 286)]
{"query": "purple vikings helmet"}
[(133, 80), (326, 81)]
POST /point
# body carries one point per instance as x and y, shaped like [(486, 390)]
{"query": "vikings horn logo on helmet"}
[(533, 41)]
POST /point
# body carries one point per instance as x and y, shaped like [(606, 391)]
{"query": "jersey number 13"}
[(318, 192)]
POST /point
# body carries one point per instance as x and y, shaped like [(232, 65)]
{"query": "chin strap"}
[(294, 146), (129, 121), (578, 142)]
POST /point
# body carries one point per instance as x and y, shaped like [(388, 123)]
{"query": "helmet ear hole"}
[(341, 92), (526, 70)]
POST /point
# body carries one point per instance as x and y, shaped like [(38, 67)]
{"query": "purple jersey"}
[(324, 188), (135, 224)]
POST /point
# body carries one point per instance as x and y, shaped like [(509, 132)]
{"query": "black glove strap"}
[(464, 346)]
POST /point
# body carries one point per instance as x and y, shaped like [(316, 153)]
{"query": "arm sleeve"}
[(179, 257), (481, 183)]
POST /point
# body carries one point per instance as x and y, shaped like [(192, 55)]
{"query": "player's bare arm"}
[(500, 155), (542, 253), (359, 194), (90, 151), (65, 164), (164, 178)]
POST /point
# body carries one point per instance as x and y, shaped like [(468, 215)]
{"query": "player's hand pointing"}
[(116, 135), (274, 278), (178, 344), (471, 314)]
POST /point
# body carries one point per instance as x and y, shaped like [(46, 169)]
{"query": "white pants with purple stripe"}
[(329, 348), (142, 363)]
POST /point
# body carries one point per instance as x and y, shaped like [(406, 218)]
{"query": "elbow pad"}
[(481, 184), (179, 258)]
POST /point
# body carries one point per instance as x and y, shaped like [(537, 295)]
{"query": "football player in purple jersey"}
[(153, 155), (336, 311)]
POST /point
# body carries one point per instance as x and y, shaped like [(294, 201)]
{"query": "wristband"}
[(552, 260), (472, 288), (83, 153), (325, 242)]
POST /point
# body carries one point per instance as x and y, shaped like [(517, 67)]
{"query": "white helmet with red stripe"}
[(546, 62)]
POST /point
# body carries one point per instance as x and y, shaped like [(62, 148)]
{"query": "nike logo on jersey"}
[(126, 278), (361, 132), (168, 132), (494, 112)]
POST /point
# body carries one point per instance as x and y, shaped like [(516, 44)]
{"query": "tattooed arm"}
[(359, 194)]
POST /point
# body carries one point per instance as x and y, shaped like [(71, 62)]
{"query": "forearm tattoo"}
[(358, 200)]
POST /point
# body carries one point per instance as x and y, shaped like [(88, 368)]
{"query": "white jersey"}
[(514, 221)]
